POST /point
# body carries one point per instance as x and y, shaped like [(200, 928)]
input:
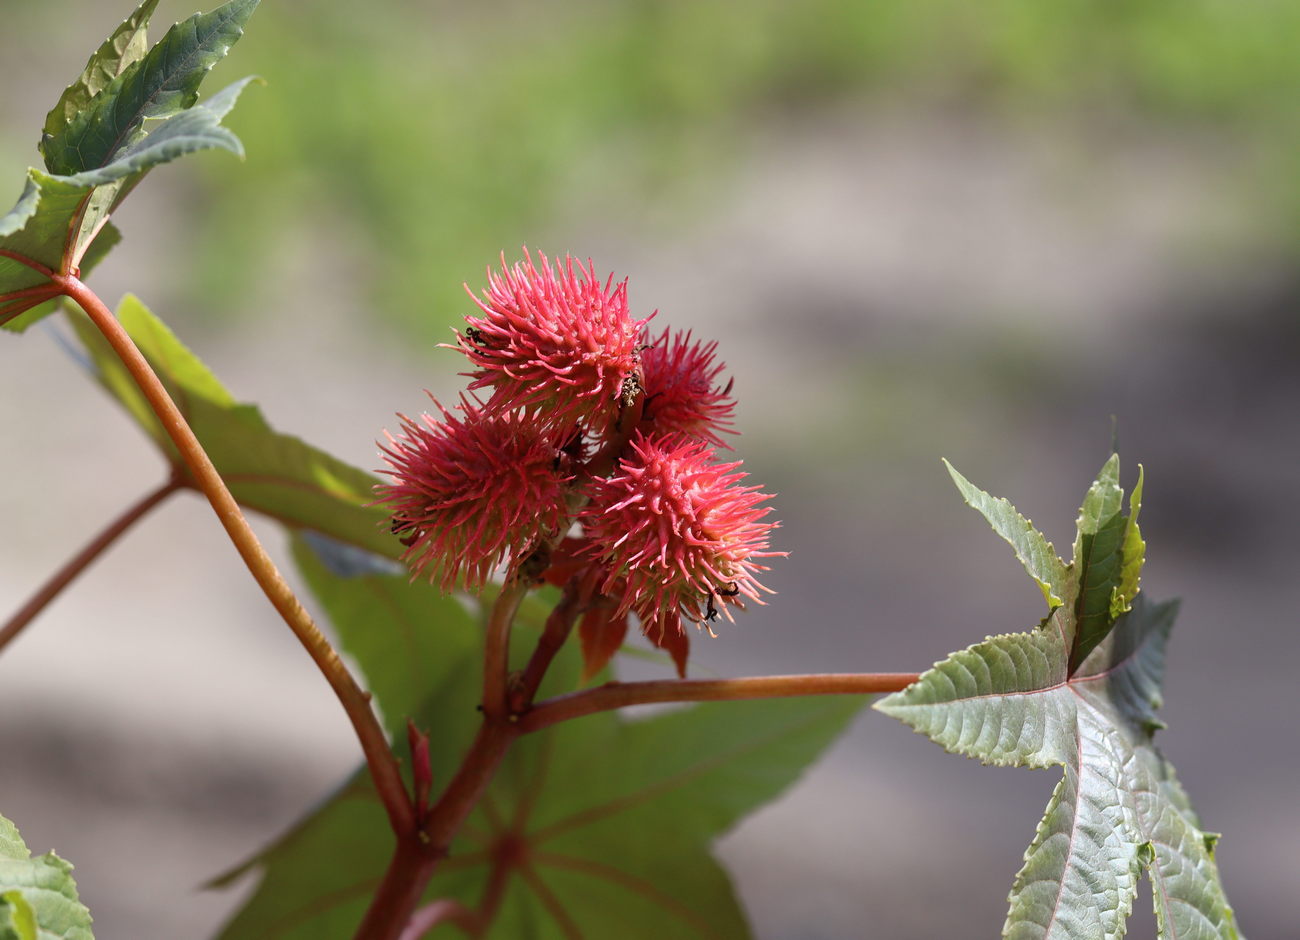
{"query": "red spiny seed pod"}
[(682, 389), (681, 531), (555, 343), (472, 489)]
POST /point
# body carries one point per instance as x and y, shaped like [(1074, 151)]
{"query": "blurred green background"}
[(917, 229), (427, 137)]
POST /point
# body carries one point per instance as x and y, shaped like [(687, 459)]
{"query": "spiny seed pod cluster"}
[(582, 454)]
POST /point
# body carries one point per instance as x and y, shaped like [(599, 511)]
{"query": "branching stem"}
[(379, 758), (558, 626), (496, 655), (82, 560)]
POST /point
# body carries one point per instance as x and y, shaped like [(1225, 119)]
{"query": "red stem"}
[(614, 695), (408, 872), (496, 654), (471, 779), (355, 702), (82, 560), (416, 858), (558, 626)]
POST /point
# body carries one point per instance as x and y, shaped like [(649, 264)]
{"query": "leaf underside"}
[(1081, 691), (38, 898)]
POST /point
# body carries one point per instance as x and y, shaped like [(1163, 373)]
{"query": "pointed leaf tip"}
[(1035, 552), (1098, 560), (194, 129), (1133, 551), (124, 47)]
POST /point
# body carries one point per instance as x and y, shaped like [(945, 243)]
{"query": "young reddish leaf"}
[(676, 643), (418, 742), (602, 632)]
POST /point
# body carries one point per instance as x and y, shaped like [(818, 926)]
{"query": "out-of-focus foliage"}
[(429, 136)]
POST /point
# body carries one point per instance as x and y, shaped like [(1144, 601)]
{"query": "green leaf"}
[(1034, 551), (1118, 810), (36, 228), (1098, 559), (615, 819), (197, 128), (38, 898), (126, 46), (17, 919), (421, 635), (267, 471), (608, 822), (97, 147), (164, 82), (1134, 555)]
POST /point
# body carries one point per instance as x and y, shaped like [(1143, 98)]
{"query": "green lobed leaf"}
[(613, 819), (165, 81), (270, 472), (616, 817), (1034, 551), (1118, 811), (1098, 559), (189, 131), (126, 45), (407, 651), (97, 147), (196, 128), (38, 898)]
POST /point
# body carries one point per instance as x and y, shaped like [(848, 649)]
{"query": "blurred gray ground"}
[(889, 286)]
